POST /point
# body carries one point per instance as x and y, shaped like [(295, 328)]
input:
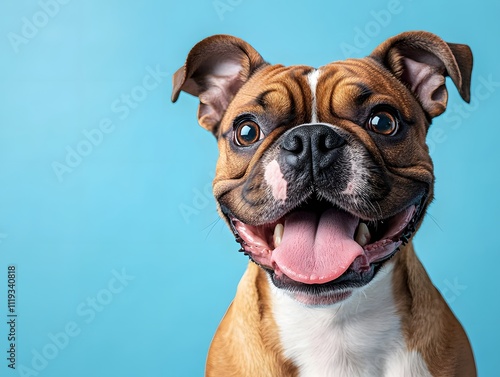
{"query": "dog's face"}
[(323, 173)]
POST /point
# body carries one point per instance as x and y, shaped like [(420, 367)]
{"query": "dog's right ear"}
[(214, 71)]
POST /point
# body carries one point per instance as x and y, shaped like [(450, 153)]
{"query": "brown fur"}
[(247, 340), (429, 325)]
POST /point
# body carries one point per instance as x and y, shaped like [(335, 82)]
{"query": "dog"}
[(324, 176)]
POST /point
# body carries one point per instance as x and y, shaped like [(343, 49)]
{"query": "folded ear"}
[(214, 71), (422, 60)]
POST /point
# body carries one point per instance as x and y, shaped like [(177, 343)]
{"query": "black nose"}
[(311, 146)]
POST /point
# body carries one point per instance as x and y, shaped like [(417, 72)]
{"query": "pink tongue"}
[(317, 250)]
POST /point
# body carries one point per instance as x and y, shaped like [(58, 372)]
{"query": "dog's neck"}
[(360, 336)]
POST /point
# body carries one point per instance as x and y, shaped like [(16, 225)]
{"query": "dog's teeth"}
[(278, 234), (362, 234)]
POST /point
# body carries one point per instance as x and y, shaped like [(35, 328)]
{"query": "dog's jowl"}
[(324, 176)]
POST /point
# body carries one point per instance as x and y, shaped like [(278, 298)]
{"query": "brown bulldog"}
[(324, 176)]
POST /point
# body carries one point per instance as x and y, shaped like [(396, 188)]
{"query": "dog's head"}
[(323, 173)]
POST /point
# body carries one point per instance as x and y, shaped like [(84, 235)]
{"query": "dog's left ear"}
[(422, 60), (215, 69)]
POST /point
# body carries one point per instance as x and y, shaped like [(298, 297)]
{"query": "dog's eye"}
[(382, 122), (247, 133)]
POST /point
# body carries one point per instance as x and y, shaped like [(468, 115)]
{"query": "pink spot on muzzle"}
[(274, 178)]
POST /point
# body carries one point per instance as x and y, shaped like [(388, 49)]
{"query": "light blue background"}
[(125, 205)]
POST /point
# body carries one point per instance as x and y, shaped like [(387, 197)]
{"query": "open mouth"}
[(320, 252)]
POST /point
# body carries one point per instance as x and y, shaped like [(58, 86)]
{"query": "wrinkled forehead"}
[(282, 93), (299, 94), (344, 88)]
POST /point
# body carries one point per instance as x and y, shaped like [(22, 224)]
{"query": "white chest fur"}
[(360, 337)]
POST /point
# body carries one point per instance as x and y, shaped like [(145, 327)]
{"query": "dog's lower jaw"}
[(429, 341), (320, 300)]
